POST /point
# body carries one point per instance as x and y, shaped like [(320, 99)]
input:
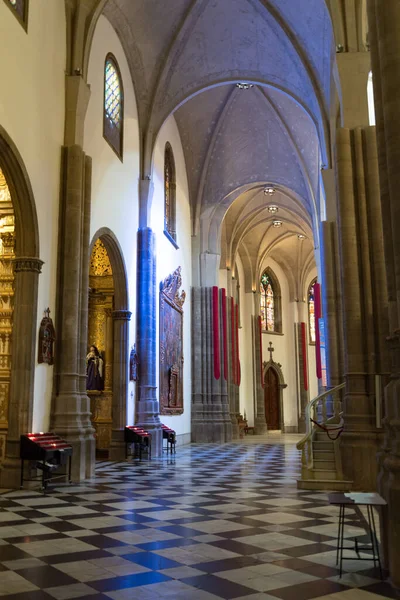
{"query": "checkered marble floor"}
[(216, 521)]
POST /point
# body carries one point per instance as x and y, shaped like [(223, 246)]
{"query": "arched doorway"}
[(108, 330), (19, 277), (272, 399)]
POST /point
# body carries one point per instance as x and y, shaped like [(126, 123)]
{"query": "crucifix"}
[(271, 350)]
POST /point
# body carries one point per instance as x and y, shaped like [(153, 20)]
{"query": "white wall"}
[(115, 183), (169, 258), (284, 346), (32, 97)]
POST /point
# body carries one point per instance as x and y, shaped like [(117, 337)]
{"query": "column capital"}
[(121, 315), (28, 263)]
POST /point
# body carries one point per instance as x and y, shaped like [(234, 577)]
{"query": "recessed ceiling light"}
[(301, 236), (273, 209), (277, 223), (269, 190), (243, 85)]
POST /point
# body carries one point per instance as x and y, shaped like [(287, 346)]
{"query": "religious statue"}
[(94, 370), (47, 336), (133, 365)]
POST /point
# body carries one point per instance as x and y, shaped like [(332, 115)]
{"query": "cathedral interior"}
[(198, 247)]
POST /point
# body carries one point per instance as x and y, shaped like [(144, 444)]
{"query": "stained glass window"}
[(20, 8), (311, 311), (169, 193), (113, 105), (267, 304)]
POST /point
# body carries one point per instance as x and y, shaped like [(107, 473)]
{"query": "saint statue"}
[(94, 370)]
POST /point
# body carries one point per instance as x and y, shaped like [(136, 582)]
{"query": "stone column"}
[(147, 406), (71, 418), (121, 320), (360, 439), (331, 302), (304, 395), (260, 424), (384, 23), (211, 421), (20, 416), (233, 389)]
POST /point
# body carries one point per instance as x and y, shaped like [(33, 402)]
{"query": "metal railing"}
[(323, 413)]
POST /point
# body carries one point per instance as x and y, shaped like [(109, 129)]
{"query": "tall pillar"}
[(304, 395), (147, 406), (71, 416), (384, 24), (360, 439), (260, 424), (211, 420), (21, 381), (120, 320), (331, 301)]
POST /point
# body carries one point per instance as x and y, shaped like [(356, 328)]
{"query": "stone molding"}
[(28, 263), (121, 315)]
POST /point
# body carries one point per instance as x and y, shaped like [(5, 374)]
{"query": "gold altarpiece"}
[(101, 335), (7, 245)]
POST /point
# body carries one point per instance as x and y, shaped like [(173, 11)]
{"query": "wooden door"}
[(271, 398)]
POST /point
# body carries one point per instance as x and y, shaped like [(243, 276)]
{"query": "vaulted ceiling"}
[(186, 57)]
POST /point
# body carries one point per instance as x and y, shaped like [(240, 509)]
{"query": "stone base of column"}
[(117, 446), (301, 427), (211, 424), (72, 423), (235, 427), (359, 458), (10, 474), (260, 427)]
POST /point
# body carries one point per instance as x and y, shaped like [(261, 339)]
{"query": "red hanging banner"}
[(317, 309), (215, 307), (261, 350), (224, 333), (304, 354), (233, 342), (237, 347)]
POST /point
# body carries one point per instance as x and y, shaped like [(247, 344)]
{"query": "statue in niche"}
[(94, 370), (133, 365), (47, 335)]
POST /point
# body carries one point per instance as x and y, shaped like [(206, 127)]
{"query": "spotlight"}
[(273, 209), (269, 190), (301, 236), (277, 223), (243, 85)]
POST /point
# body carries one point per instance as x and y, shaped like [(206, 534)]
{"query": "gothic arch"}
[(27, 267), (26, 224), (277, 367), (277, 299), (121, 318), (114, 251)]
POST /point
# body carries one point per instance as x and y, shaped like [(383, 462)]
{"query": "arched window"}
[(311, 311), (371, 105), (270, 302), (20, 9), (169, 194), (113, 121)]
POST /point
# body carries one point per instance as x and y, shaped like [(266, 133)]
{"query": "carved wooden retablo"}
[(171, 344)]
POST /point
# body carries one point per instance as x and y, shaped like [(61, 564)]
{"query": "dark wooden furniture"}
[(357, 499), (169, 435), (140, 439), (50, 452)]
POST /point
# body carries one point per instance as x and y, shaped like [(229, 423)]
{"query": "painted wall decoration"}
[(171, 344), (47, 336)]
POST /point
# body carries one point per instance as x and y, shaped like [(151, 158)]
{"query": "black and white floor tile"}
[(213, 522)]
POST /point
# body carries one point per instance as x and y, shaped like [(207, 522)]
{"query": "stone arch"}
[(121, 317), (114, 251), (26, 223), (277, 367), (27, 267)]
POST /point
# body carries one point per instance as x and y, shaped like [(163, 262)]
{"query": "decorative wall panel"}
[(171, 344)]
